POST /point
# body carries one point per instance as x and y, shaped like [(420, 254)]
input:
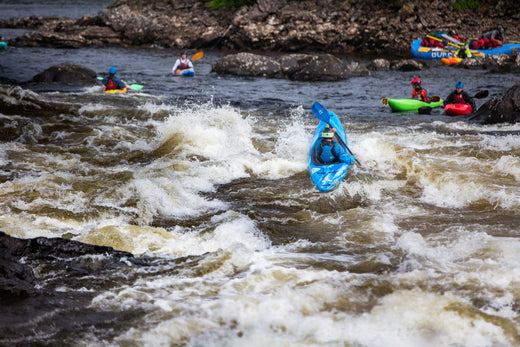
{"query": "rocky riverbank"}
[(364, 27)]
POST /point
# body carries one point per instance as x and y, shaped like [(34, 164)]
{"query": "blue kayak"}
[(327, 176), (186, 72)]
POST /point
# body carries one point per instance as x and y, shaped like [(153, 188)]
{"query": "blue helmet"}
[(459, 84), (112, 70)]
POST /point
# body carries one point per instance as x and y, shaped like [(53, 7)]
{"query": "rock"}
[(494, 63), (299, 67), (408, 65), (17, 278), (379, 65), (248, 64), (505, 109), (67, 74), (270, 25), (357, 69), (321, 68)]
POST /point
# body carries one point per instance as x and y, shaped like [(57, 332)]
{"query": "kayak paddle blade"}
[(197, 56), (136, 86), (435, 98), (321, 112), (384, 101), (482, 94), (425, 110)]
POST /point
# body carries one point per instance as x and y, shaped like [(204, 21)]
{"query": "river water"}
[(205, 179)]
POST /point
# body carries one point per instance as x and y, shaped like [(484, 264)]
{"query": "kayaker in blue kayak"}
[(330, 152), (113, 82), (419, 93), (182, 64)]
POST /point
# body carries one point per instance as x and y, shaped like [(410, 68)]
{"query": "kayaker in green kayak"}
[(458, 96), (330, 152), (419, 93)]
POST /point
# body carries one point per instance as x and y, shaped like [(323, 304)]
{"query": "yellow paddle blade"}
[(197, 56), (426, 49), (384, 101)]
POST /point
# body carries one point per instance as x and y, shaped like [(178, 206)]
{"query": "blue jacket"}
[(119, 84), (327, 154)]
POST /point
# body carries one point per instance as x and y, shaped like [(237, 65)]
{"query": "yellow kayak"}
[(115, 90)]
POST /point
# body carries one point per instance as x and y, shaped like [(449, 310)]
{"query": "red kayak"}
[(457, 109)]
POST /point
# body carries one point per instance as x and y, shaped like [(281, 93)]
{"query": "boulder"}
[(299, 67), (17, 277), (408, 65), (67, 74), (505, 109), (248, 64), (324, 67), (501, 63), (379, 65)]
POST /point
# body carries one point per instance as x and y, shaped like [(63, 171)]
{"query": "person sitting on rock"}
[(112, 82), (419, 93), (182, 64), (458, 96)]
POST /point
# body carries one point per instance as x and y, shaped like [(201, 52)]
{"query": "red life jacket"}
[(184, 66), (458, 99), (110, 84)]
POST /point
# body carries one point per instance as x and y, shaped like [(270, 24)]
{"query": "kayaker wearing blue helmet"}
[(458, 96), (330, 152), (113, 82)]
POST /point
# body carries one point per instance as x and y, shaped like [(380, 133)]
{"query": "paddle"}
[(322, 114), (434, 49), (197, 56), (481, 94), (475, 53), (134, 86), (428, 109)]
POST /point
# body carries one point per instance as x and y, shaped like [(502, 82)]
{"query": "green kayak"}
[(403, 105)]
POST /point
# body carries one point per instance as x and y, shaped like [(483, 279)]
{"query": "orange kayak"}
[(451, 61)]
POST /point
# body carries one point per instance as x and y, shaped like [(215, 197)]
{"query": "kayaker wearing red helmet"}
[(419, 93)]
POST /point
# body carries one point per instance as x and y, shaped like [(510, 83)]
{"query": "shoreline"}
[(360, 28)]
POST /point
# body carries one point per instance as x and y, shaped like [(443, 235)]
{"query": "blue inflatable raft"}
[(430, 53)]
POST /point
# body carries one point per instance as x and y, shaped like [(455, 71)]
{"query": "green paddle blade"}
[(136, 86)]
